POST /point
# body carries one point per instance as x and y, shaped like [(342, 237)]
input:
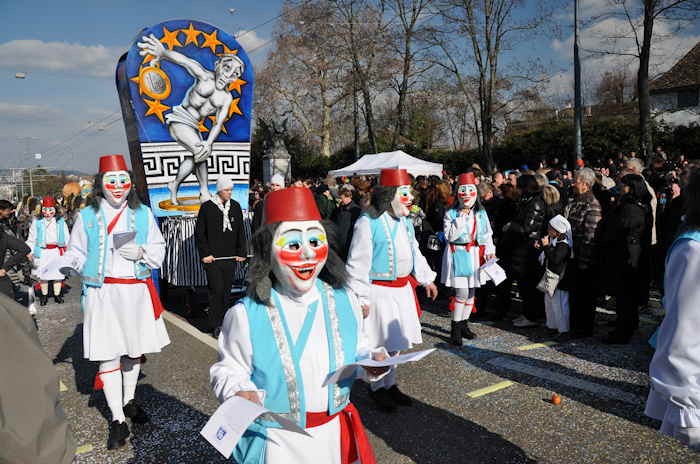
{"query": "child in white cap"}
[(556, 249)]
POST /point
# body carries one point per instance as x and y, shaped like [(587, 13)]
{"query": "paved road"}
[(484, 403)]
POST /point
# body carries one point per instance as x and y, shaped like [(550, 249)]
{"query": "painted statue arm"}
[(221, 114), (152, 46), (231, 373)]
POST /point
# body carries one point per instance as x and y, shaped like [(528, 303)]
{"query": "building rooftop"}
[(685, 73)]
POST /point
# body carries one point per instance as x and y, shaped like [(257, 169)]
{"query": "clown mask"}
[(48, 212), (466, 194), (116, 186), (299, 252), (402, 201)]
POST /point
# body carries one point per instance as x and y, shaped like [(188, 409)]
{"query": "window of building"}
[(688, 98)]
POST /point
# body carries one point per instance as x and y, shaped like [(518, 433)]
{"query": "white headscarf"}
[(561, 225)]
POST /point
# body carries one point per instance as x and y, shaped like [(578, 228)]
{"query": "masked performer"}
[(47, 239), (296, 326), (122, 310), (470, 243), (385, 266)]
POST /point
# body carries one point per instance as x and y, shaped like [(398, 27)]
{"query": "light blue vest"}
[(481, 227), (276, 364), (41, 235), (95, 226), (384, 247)]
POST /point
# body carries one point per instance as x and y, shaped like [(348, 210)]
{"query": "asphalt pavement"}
[(486, 402)]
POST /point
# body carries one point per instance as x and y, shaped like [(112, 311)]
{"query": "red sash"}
[(53, 246), (401, 282), (155, 300), (354, 443)]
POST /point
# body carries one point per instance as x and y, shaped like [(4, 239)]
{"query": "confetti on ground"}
[(62, 386), (490, 389), (536, 345), (84, 449)]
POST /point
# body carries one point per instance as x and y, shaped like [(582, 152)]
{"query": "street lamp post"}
[(578, 116)]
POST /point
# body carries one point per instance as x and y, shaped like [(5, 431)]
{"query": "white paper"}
[(64, 264), (348, 369), (228, 423), (494, 271)]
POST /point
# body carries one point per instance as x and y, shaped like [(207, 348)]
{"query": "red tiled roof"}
[(685, 73)]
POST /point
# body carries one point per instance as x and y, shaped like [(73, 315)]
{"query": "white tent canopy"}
[(372, 164)]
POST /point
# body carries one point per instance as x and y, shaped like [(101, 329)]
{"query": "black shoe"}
[(216, 332), (133, 411), (455, 333), (466, 331), (58, 299), (118, 433), (400, 397), (383, 399), (43, 299)]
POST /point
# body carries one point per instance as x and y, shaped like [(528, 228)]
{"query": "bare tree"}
[(490, 27), (614, 87), (641, 17)]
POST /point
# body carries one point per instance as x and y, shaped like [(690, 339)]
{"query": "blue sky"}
[(68, 103)]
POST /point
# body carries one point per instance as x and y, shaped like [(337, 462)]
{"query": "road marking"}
[(536, 345), (84, 449), (490, 389), (600, 390), (62, 386), (185, 326)]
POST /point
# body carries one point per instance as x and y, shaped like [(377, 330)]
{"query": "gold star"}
[(156, 107), (233, 109), (210, 41), (213, 121), (202, 127), (237, 85), (170, 38), (228, 51), (191, 33), (137, 80)]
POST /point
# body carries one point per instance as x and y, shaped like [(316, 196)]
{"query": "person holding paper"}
[(297, 326), (385, 266), (470, 244), (47, 239), (122, 311)]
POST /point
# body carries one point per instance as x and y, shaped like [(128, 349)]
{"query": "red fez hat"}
[(394, 178), (466, 179), (291, 204), (112, 163), (48, 202)]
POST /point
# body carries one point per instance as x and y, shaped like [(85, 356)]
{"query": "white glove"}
[(131, 251)]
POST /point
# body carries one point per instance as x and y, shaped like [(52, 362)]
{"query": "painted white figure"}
[(208, 96)]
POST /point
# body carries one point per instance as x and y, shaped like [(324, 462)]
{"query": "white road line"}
[(600, 390), (185, 326)]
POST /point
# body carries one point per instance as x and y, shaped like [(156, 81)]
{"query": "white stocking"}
[(464, 303), (130, 374), (56, 288), (44, 287), (112, 382)]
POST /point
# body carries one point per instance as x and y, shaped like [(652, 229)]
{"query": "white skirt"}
[(393, 321), (293, 448), (47, 255), (557, 309), (119, 321), (448, 278)]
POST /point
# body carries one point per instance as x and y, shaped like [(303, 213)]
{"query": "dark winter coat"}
[(527, 227), (556, 260), (584, 214), (624, 236), (344, 217), (211, 238)]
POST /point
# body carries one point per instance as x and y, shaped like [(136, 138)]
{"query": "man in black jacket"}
[(221, 243), (344, 217), (21, 253)]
